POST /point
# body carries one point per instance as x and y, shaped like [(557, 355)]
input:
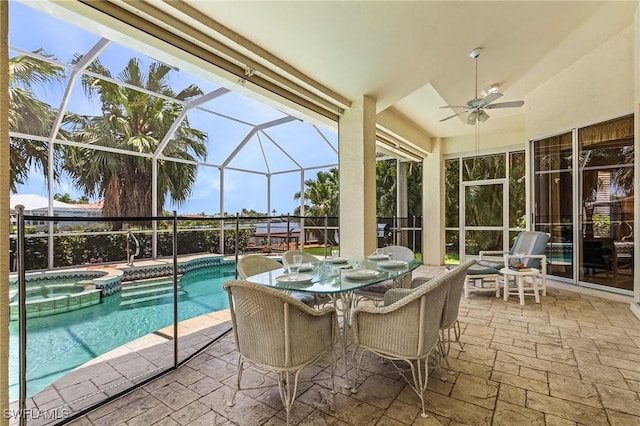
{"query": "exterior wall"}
[(596, 88)]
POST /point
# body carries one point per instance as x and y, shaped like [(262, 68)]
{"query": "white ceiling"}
[(413, 56)]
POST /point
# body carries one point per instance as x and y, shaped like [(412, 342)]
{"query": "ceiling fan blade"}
[(455, 106), (490, 98), (451, 116), (512, 104)]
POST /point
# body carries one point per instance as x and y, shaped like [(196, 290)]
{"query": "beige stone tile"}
[(556, 354), (622, 419), (580, 344), (533, 374), (379, 391), (507, 414), (478, 354), (513, 395), (246, 411), (476, 391), (533, 338), (573, 411), (520, 382), (401, 412), (620, 363), (190, 412), (471, 368), (630, 375), (622, 400), (348, 410), (502, 340), (574, 390), (175, 395), (523, 344), (513, 349), (582, 357), (506, 367), (599, 373), (456, 410), (564, 323), (150, 416), (538, 364), (552, 420)]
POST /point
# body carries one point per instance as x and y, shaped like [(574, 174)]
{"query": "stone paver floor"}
[(574, 359)]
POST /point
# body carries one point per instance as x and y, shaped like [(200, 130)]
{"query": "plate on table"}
[(378, 257), (301, 279), (337, 259), (361, 274), (306, 267), (393, 264)]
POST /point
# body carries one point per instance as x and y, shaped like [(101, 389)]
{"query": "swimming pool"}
[(59, 343)]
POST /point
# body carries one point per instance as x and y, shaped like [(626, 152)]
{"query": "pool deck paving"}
[(573, 359)]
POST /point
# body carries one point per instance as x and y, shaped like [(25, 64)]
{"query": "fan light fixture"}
[(475, 108)]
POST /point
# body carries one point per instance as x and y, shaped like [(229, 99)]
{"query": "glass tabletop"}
[(328, 276)]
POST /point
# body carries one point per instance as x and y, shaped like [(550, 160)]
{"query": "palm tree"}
[(29, 115), (134, 121), (321, 196)]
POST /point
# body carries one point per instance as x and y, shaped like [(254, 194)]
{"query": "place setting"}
[(293, 275), (335, 258), (359, 272), (378, 255)]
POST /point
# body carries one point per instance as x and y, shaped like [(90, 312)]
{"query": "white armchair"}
[(276, 332), (405, 331)]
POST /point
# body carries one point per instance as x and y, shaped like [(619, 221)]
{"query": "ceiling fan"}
[(476, 107)]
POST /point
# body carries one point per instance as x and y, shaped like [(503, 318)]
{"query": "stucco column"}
[(4, 212), (433, 206), (357, 165)]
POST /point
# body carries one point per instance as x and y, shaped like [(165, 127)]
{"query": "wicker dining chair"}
[(275, 332), (287, 257), (253, 264), (376, 292), (405, 331)]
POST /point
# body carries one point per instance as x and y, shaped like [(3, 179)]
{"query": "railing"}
[(175, 236), (130, 256)]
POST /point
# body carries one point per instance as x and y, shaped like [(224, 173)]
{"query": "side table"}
[(520, 276)]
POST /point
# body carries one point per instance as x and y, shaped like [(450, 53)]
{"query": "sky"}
[(274, 151)]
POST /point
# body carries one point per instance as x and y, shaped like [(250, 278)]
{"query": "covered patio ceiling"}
[(411, 57)]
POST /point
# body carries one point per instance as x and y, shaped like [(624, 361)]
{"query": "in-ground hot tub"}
[(49, 294)]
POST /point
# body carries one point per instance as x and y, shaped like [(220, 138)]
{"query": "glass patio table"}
[(338, 279)]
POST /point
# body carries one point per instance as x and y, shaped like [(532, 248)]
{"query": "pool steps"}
[(106, 281)]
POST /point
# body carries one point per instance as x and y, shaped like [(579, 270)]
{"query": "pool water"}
[(59, 343)]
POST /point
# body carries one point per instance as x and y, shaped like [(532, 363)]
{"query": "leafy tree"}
[(134, 121), (66, 198), (29, 115), (386, 188), (321, 195)]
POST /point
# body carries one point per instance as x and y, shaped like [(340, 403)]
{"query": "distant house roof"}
[(35, 202)]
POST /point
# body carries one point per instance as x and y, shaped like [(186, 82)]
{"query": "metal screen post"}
[(22, 317), (288, 231), (175, 290), (326, 219), (237, 240)]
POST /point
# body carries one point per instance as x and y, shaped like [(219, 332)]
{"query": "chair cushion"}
[(381, 288), (481, 268), (306, 298), (530, 242)]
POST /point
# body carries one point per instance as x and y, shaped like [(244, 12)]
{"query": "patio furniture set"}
[(285, 315)]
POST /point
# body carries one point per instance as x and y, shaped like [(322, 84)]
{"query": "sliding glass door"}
[(553, 200), (605, 155), (583, 197)]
